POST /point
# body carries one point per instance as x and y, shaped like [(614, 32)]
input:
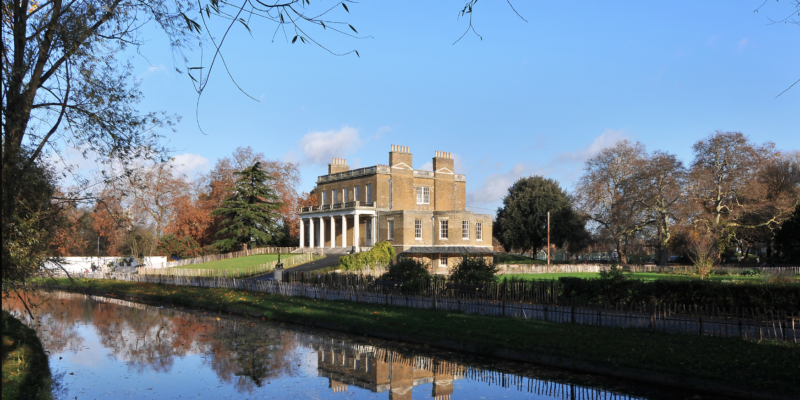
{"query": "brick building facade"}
[(421, 213)]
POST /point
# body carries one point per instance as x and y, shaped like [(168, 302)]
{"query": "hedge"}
[(779, 296)]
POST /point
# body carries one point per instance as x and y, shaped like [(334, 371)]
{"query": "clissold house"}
[(421, 213)]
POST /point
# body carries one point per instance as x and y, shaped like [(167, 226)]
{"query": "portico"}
[(338, 226)]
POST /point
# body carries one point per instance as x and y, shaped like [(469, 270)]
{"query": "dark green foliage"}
[(31, 218), (251, 212), (521, 223), (689, 292), (173, 246), (382, 253), (414, 274), (787, 239), (473, 271)]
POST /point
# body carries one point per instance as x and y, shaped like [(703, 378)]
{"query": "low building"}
[(421, 213)]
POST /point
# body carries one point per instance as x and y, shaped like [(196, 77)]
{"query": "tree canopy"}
[(521, 222), (250, 214)]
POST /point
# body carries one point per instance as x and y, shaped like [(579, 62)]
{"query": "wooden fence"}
[(233, 254), (539, 302), (289, 261)]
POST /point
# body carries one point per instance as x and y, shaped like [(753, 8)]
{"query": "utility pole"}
[(548, 241)]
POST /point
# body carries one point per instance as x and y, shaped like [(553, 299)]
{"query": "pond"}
[(103, 348)]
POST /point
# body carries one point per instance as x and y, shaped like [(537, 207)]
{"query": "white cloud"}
[(564, 167), (428, 166), (154, 69), (321, 147), (743, 43), (495, 186), (382, 130), (606, 139), (190, 164)]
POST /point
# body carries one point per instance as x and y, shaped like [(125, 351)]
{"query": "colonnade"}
[(313, 222)]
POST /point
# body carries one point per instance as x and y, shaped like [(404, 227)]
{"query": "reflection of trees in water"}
[(246, 356), (243, 354), (56, 325)]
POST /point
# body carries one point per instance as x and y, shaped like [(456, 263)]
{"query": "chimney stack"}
[(443, 159), (338, 165), (400, 155)]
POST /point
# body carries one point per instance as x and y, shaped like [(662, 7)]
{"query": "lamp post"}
[(548, 241)]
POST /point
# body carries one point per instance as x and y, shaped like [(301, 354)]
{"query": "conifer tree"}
[(250, 213)]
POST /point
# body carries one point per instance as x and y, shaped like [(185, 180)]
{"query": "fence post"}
[(572, 312)]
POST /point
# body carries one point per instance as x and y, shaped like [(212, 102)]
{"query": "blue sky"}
[(535, 97)]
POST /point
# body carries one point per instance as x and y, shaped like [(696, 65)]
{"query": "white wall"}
[(81, 264)]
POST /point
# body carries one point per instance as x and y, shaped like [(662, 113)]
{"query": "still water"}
[(103, 348)]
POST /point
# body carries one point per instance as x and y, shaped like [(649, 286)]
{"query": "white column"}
[(333, 231), (355, 232), (321, 232), (311, 233), (302, 232), (344, 230), (374, 230)]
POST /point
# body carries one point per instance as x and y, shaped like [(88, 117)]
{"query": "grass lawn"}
[(237, 263), (774, 366), (26, 372), (645, 276)]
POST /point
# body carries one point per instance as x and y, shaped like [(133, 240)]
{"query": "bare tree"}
[(724, 182), (608, 195), (703, 252), (660, 185)]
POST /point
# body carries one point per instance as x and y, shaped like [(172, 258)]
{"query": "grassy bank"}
[(772, 366), (238, 264), (26, 372)]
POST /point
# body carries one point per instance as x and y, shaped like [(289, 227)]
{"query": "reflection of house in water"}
[(381, 370)]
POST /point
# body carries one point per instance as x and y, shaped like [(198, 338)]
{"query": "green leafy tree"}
[(414, 274), (250, 214), (474, 271), (787, 239), (521, 222), (173, 246)]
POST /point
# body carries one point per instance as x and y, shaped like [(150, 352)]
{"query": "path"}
[(330, 260)]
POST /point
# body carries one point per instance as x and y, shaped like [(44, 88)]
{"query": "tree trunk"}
[(623, 258)]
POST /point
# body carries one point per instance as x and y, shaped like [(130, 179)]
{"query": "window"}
[(391, 229), (418, 229), (423, 195), (324, 198), (443, 261), (346, 197), (443, 229), (478, 231), (333, 196), (465, 230), (369, 193), (369, 228), (357, 192)]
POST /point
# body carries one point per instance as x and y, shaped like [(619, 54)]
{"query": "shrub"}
[(473, 271), (751, 272), (414, 274), (382, 252), (762, 295)]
